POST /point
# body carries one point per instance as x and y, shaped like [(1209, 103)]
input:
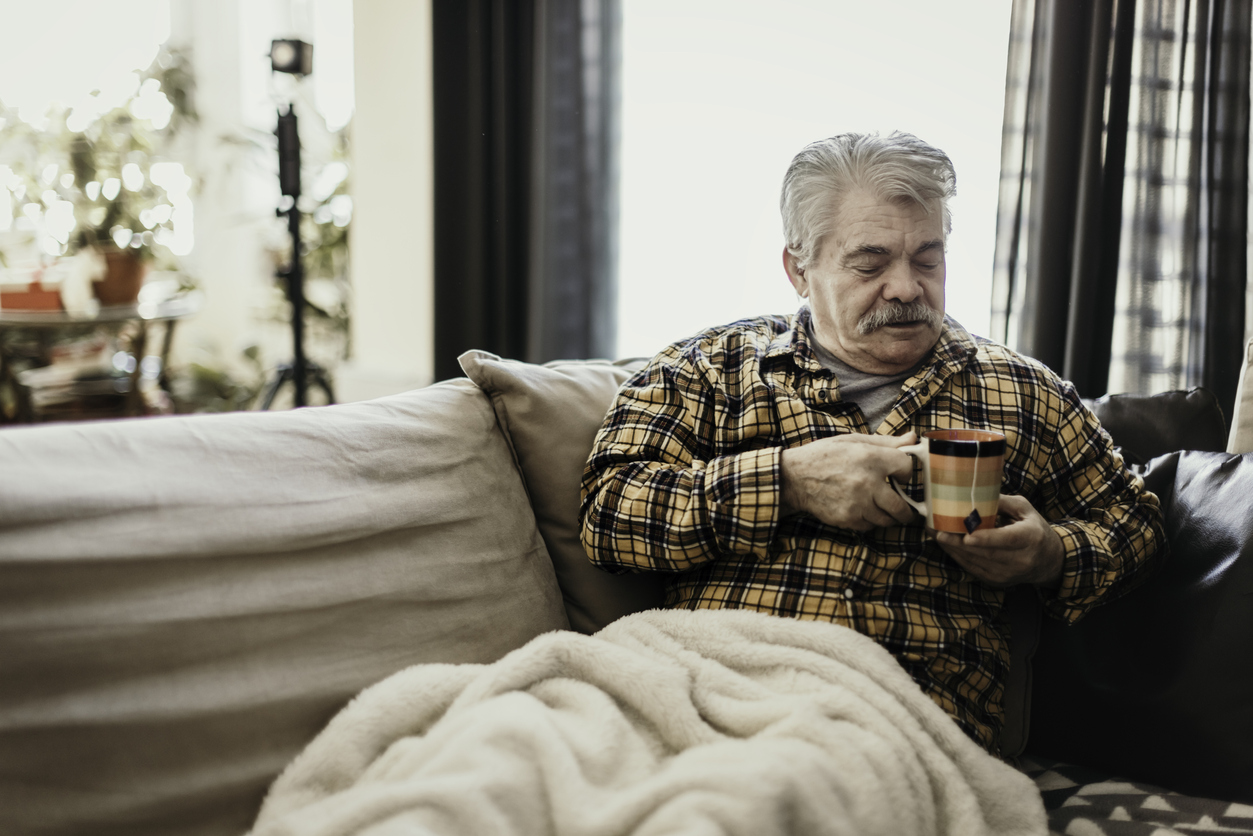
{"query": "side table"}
[(27, 361)]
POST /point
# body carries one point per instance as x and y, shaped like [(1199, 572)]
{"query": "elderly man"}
[(750, 462)]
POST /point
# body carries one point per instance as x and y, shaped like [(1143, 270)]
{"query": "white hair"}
[(899, 167)]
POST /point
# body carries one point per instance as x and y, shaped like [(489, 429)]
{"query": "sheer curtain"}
[(1121, 230), (526, 137)]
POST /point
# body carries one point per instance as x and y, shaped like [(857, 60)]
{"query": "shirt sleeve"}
[(655, 496), (1110, 525)]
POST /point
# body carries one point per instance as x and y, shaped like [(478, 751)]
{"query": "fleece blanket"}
[(664, 722)]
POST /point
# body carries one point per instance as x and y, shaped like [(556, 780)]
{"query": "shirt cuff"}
[(742, 496), (1084, 571)]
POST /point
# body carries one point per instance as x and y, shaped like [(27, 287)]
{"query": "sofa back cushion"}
[(1158, 684), (1147, 426), (550, 413), (184, 602)]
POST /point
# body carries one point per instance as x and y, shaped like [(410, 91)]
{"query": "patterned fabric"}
[(1086, 802), (684, 478)]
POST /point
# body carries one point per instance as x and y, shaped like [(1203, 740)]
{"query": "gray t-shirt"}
[(874, 394)]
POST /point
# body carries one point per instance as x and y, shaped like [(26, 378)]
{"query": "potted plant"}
[(95, 185)]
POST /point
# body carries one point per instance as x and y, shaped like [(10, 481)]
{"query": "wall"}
[(228, 259), (392, 186)]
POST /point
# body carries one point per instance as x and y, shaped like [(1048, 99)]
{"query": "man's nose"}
[(901, 282)]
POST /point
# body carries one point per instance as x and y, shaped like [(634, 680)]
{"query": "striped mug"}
[(961, 477)]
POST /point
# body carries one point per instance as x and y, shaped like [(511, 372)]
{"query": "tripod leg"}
[(320, 380), (282, 374)]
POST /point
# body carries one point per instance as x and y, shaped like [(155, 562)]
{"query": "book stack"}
[(87, 377), (70, 374)]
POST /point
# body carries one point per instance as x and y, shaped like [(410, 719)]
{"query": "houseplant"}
[(93, 182)]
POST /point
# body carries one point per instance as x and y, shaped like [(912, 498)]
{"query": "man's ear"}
[(795, 274)]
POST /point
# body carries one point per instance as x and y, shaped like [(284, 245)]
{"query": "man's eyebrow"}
[(866, 249), (875, 249)]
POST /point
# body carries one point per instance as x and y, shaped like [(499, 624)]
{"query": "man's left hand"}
[(1027, 550)]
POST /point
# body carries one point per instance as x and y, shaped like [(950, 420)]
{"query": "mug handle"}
[(921, 449)]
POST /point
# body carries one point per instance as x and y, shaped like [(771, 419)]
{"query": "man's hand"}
[(1027, 550), (843, 480)]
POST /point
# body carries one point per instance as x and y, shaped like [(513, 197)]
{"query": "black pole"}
[(289, 182), (296, 292), (300, 370)]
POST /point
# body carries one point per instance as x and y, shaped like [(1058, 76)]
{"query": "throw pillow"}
[(550, 415), (1241, 439), (1147, 426)]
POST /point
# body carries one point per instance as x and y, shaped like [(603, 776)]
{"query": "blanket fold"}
[(664, 722)]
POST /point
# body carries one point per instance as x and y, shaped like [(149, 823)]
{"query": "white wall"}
[(393, 189), (228, 259), (718, 95)]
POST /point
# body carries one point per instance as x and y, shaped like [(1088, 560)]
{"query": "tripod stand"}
[(301, 370)]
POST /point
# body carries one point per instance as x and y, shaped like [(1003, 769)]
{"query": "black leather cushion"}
[(1143, 427), (1148, 426), (1158, 685)]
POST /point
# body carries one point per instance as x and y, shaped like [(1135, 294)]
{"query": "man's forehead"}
[(868, 225)]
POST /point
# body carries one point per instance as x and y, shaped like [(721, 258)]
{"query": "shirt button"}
[(848, 594), (822, 394)]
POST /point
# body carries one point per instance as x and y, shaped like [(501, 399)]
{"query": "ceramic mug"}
[(961, 477)]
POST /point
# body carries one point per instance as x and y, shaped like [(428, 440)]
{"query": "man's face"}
[(876, 288)]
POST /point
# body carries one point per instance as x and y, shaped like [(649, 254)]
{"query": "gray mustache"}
[(894, 312)]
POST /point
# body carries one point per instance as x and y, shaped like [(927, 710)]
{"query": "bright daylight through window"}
[(717, 97), (82, 78)]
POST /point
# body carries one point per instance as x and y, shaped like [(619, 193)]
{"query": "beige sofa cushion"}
[(1241, 440), (184, 602), (550, 414)]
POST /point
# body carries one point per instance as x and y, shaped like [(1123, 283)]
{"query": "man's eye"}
[(924, 265)]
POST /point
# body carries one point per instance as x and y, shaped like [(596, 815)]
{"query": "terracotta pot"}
[(122, 279), (30, 297)]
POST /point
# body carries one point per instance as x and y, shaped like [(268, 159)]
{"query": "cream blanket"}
[(665, 722)]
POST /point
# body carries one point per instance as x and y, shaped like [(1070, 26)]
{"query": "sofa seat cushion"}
[(184, 602), (1158, 685)]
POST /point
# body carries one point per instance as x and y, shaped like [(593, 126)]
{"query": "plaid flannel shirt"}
[(684, 478)]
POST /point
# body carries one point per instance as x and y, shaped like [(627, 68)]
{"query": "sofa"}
[(186, 601)]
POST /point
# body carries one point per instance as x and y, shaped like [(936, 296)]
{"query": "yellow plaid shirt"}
[(684, 478)]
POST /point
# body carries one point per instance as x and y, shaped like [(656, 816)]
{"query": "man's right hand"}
[(843, 480)]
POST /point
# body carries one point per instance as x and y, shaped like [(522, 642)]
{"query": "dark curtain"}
[(526, 105), (1121, 231)]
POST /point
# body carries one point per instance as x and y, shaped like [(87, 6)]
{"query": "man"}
[(751, 462)]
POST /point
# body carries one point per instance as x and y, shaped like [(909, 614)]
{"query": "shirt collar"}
[(795, 342)]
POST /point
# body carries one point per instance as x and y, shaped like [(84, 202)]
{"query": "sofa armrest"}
[(1156, 685)]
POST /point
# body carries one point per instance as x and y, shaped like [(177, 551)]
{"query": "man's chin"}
[(904, 345)]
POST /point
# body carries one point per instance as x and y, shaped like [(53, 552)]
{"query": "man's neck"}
[(874, 394)]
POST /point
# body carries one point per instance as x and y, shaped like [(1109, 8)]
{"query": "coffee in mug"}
[(961, 477)]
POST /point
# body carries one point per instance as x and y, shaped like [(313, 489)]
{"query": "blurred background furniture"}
[(56, 365)]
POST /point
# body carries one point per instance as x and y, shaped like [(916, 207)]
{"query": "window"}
[(86, 68), (717, 97)]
